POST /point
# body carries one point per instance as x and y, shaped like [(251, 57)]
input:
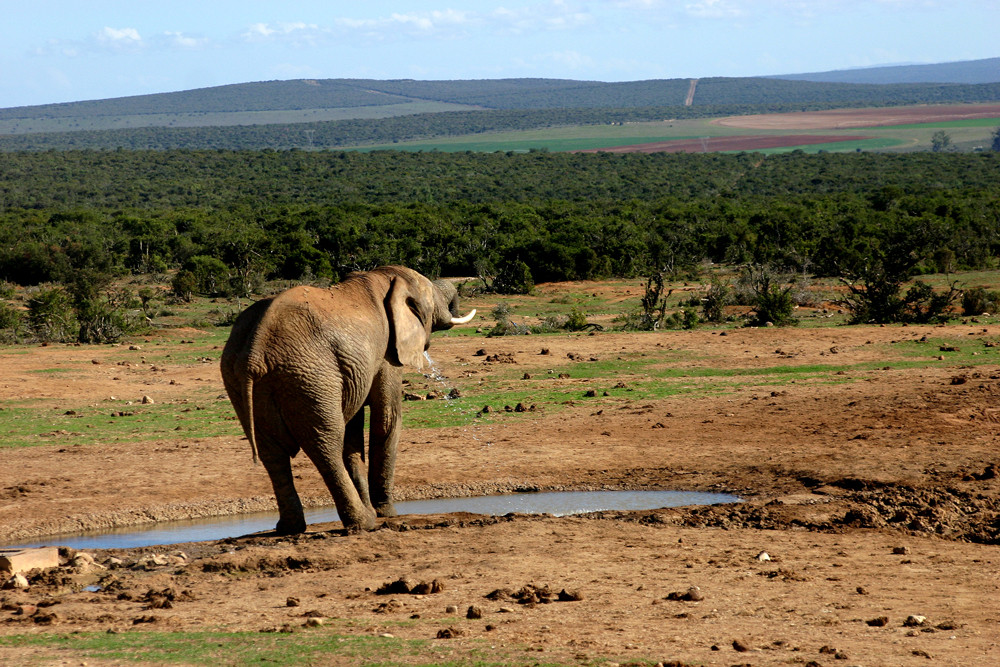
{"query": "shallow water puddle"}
[(558, 503)]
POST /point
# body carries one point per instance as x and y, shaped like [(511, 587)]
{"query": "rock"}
[(16, 582), (741, 645), (878, 622), (763, 556), (900, 551), (314, 622), (292, 602), (474, 613), (451, 609), (448, 633), (146, 400), (84, 563), (13, 561), (692, 594), (454, 393), (914, 621)]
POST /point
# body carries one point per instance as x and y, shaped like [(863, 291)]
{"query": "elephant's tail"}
[(251, 434)]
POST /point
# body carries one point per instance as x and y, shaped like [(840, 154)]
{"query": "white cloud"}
[(714, 9), (119, 38), (180, 40), (296, 32)]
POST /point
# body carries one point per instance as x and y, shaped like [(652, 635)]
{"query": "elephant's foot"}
[(385, 509), (359, 524), (293, 527)]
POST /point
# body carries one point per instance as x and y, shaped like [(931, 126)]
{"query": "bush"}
[(210, 274), (577, 320), (653, 306), (513, 277), (770, 293), (50, 316), (719, 296), (686, 318), (922, 305), (504, 326), (184, 284), (978, 301)]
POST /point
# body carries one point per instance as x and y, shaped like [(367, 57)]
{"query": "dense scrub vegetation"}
[(232, 218)]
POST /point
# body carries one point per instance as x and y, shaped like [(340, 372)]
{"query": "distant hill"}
[(333, 113), (968, 71)]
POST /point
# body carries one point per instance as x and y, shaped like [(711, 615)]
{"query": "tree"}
[(940, 142), (996, 140)]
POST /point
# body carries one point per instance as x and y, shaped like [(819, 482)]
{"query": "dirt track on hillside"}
[(873, 492)]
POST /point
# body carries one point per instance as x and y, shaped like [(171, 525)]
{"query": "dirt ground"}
[(869, 535), (841, 119)]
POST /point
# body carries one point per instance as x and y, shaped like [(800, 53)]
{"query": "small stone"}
[(451, 609), (878, 622), (313, 622), (763, 556), (914, 621), (16, 582), (900, 551), (741, 645), (474, 612), (292, 602), (146, 400)]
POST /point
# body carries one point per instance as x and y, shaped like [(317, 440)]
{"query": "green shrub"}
[(770, 294), (50, 316), (513, 277), (577, 320), (922, 305), (977, 301), (184, 285), (719, 296)]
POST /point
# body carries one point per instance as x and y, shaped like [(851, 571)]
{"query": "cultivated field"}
[(970, 126), (866, 455)]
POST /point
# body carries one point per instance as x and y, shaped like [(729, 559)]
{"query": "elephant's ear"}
[(409, 333)]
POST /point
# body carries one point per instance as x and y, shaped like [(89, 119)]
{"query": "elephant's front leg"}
[(386, 400)]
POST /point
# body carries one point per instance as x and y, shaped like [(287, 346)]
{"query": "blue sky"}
[(63, 51)]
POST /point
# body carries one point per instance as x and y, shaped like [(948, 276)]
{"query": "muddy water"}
[(560, 503)]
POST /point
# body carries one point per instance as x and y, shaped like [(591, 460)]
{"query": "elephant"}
[(299, 367)]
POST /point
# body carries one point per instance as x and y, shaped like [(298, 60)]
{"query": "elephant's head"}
[(415, 307)]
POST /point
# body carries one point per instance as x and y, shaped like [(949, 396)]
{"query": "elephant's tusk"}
[(463, 320)]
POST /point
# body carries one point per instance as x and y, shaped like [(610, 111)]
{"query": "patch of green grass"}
[(310, 647), (28, 423)]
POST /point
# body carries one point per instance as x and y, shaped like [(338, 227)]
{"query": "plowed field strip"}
[(718, 144)]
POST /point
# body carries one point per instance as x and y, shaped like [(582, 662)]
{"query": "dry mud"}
[(873, 494)]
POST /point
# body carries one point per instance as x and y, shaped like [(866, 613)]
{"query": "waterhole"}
[(558, 503)]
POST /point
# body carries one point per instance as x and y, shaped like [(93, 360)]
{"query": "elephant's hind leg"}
[(354, 455), (292, 518)]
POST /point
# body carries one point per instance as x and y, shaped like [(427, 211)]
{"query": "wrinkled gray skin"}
[(299, 368)]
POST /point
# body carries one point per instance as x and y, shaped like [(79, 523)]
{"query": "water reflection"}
[(561, 503)]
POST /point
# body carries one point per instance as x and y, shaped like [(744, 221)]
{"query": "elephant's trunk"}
[(463, 320)]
